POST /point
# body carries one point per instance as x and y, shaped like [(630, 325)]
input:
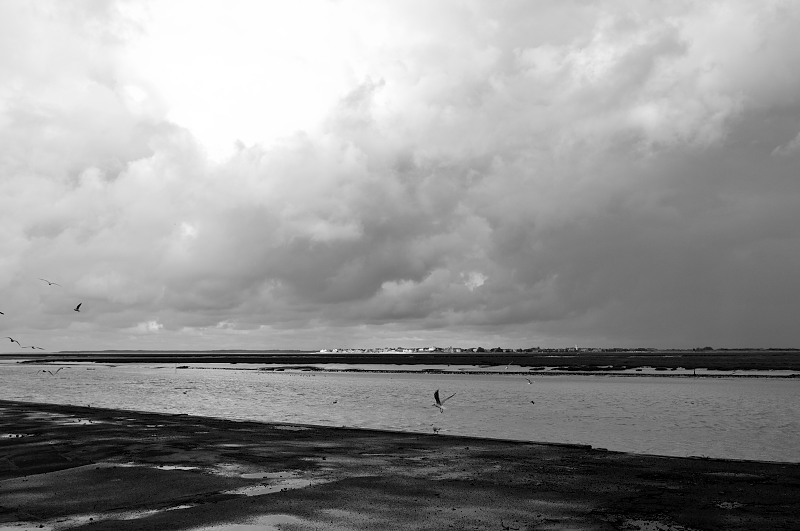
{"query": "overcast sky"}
[(313, 174)]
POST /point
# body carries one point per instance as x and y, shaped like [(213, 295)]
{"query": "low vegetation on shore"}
[(664, 360)]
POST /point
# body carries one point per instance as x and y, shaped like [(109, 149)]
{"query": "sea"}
[(705, 415)]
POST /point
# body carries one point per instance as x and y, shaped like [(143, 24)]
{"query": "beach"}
[(72, 467)]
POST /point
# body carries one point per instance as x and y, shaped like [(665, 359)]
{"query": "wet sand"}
[(70, 467)]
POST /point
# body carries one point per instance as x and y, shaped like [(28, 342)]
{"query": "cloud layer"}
[(496, 173)]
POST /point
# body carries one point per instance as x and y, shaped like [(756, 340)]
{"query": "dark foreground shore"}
[(69, 467)]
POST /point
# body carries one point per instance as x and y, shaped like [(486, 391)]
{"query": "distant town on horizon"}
[(450, 350)]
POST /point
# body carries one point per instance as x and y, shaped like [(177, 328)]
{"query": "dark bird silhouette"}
[(50, 283), (52, 373), (1, 313), (13, 340), (78, 307), (440, 403), (529, 381), (32, 346)]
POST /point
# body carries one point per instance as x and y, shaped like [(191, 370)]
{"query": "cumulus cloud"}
[(148, 327), (612, 173), (788, 149)]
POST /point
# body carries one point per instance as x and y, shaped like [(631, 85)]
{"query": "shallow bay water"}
[(737, 418)]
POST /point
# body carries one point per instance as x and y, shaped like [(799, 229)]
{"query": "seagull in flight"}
[(529, 381), (78, 307), (52, 373), (32, 346), (440, 403), (13, 340), (50, 283)]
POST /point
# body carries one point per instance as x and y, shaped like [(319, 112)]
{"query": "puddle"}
[(135, 515), (25, 526), (270, 522), (275, 482), (84, 519), (131, 464), (176, 467), (258, 490), (729, 505), (47, 416), (64, 420), (652, 525), (269, 475), (229, 470), (257, 475)]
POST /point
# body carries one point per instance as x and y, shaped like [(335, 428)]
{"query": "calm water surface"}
[(739, 418)]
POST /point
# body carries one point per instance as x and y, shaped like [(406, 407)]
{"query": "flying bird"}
[(50, 283), (78, 307), (52, 373), (440, 403), (1, 313), (529, 381), (13, 340), (32, 346)]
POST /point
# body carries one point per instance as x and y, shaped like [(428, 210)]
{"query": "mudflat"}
[(71, 467)]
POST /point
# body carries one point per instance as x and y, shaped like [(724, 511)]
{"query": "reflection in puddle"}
[(132, 464), (25, 526), (229, 469), (269, 522), (258, 490), (652, 525), (277, 481), (84, 519), (63, 420), (270, 475)]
